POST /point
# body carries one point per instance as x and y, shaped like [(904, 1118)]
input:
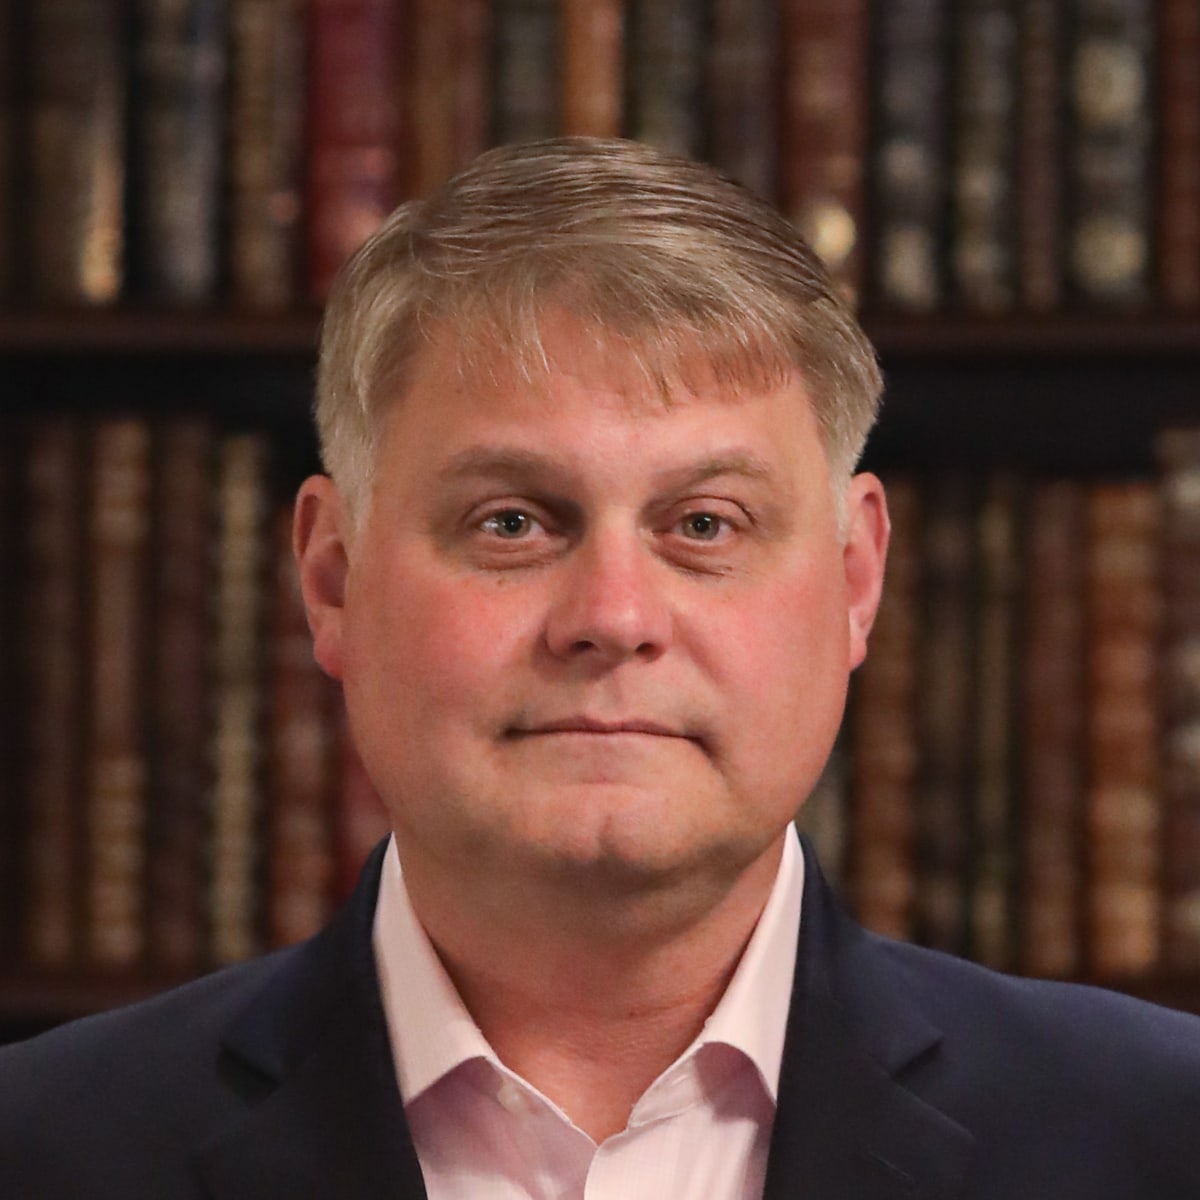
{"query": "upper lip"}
[(583, 724)]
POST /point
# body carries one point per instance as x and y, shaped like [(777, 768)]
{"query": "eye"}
[(508, 523), (702, 526)]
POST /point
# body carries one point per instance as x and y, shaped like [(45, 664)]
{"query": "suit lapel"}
[(311, 1058), (845, 1126)]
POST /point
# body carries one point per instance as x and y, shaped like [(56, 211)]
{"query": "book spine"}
[(178, 148), (238, 699), (50, 624), (116, 799), (354, 115), (267, 88), (1052, 728), (1179, 153), (992, 902), (434, 94), (592, 67), (823, 146), (1040, 149), (983, 157), (1123, 805), (526, 80), (743, 80), (667, 104), (883, 737), (910, 176), (472, 80), (1179, 457), (77, 150), (183, 540), (1110, 160), (946, 679), (301, 742)]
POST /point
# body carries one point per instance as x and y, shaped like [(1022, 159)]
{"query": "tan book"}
[(301, 749), (116, 796), (1054, 700), (1124, 819), (592, 40), (883, 737)]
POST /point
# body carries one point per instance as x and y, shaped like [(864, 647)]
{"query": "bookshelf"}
[(1001, 354)]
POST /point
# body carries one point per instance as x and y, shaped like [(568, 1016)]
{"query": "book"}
[(177, 148), (1178, 454), (909, 169), (361, 819), (433, 94), (667, 103), (50, 623), (983, 154), (1041, 145), (526, 97), (743, 72), (592, 71), (238, 663), (77, 109), (267, 96), (354, 117), (824, 816), (10, 154), (1110, 148), (183, 535), (1178, 104), (473, 80), (883, 737), (1123, 800), (823, 131), (116, 796), (1054, 700), (301, 746)]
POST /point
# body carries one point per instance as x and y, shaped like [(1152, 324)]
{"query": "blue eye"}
[(510, 523), (702, 526)]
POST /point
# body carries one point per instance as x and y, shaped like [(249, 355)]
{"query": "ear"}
[(320, 545), (864, 554)]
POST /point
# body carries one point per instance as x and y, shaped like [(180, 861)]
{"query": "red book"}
[(354, 123)]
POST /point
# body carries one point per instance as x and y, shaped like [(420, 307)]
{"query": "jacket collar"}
[(846, 1125)]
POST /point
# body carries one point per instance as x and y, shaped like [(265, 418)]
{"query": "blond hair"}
[(658, 251)]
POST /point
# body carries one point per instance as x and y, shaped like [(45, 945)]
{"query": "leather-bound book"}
[(527, 89), (665, 65), (593, 75)]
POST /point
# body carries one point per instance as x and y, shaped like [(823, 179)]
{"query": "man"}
[(593, 566)]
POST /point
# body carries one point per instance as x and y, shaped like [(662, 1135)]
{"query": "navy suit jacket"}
[(906, 1074)]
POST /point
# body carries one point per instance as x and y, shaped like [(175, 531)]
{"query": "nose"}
[(612, 603)]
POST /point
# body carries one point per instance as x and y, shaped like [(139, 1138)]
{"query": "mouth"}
[(591, 726)]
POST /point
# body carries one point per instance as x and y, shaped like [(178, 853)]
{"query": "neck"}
[(591, 999)]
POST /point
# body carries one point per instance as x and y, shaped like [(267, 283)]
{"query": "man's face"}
[(585, 632)]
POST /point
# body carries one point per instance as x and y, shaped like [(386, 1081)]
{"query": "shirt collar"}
[(432, 1033)]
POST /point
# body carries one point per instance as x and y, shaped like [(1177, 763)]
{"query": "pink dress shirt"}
[(700, 1131)]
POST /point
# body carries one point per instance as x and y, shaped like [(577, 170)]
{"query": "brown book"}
[(1040, 147), (50, 622), (593, 85), (1179, 153), (434, 94), (1111, 185), (946, 716), (992, 902), (179, 687), (665, 65), (910, 153), (178, 144), (526, 88), (267, 89), (823, 133), (301, 740), (361, 820), (77, 150), (1123, 805), (1054, 698), (1179, 455), (116, 798), (744, 65), (983, 155), (472, 80), (354, 121), (883, 737), (238, 683), (10, 102)]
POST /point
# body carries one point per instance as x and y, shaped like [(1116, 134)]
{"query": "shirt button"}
[(512, 1097)]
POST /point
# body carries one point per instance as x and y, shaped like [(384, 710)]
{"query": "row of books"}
[(178, 791), (1020, 775), (983, 154)]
